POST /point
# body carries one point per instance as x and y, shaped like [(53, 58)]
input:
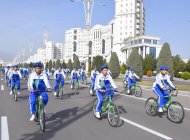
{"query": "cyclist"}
[(15, 77), (74, 76), (128, 71), (132, 77), (94, 73), (83, 74), (6, 74), (103, 84), (25, 73), (46, 72), (160, 86), (59, 77), (37, 81)]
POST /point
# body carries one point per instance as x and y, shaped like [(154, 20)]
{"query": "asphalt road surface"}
[(72, 118)]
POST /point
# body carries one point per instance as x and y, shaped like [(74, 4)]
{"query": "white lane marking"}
[(2, 87), (144, 99), (4, 128), (146, 129), (183, 95)]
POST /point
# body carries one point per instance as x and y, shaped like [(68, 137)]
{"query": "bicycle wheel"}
[(175, 112), (61, 92), (113, 115), (151, 106), (138, 91), (42, 119), (124, 83), (174, 92), (94, 106)]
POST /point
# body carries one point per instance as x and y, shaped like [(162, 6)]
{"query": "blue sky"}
[(23, 21)]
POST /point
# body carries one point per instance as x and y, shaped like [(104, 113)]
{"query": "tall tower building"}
[(129, 21)]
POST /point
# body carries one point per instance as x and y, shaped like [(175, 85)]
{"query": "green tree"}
[(63, 64), (187, 66), (54, 64), (70, 65), (114, 66), (57, 63), (148, 63), (165, 58), (178, 65), (50, 65), (135, 61), (98, 61), (123, 68), (105, 62), (31, 65), (47, 64), (76, 61)]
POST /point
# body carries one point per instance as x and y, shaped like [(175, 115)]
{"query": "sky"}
[(22, 22)]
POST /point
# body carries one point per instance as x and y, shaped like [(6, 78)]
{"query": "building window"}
[(147, 41), (103, 46), (140, 41), (153, 51), (155, 42), (74, 46), (75, 31), (75, 37)]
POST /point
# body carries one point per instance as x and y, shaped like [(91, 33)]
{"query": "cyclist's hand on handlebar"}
[(165, 88), (102, 90)]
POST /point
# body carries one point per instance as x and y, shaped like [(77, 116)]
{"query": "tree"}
[(123, 68), (104, 61), (148, 63), (98, 61), (31, 65), (135, 61), (114, 66), (57, 63), (165, 58), (63, 64), (53, 64), (70, 65), (178, 65), (50, 65), (187, 66), (76, 61), (47, 64)]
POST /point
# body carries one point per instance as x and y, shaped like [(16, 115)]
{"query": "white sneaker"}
[(18, 92), (32, 117), (160, 109), (98, 115), (71, 86), (90, 91), (11, 92), (55, 93)]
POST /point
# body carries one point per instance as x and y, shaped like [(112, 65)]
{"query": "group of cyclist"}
[(101, 82)]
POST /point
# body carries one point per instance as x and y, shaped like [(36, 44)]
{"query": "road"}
[(72, 118)]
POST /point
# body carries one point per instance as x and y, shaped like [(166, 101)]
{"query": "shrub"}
[(185, 75)]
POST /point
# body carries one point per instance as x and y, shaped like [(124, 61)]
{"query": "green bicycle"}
[(175, 111), (76, 84), (15, 92), (92, 92), (109, 109), (60, 91), (135, 89), (40, 112)]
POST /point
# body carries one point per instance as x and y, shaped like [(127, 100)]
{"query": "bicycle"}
[(175, 111), (40, 111), (76, 84), (108, 108), (135, 89), (92, 92), (60, 91), (173, 92), (15, 92)]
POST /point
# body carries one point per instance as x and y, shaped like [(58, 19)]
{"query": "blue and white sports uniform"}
[(59, 77), (162, 81), (131, 79), (39, 83), (15, 77), (93, 77), (82, 75), (74, 76), (127, 74), (103, 83)]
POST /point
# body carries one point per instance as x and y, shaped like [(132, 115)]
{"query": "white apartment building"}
[(88, 44), (128, 24)]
